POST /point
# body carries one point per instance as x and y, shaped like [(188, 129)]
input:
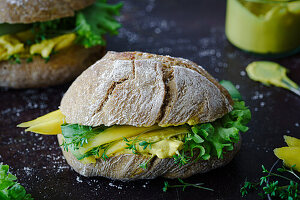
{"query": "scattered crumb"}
[(116, 186), (78, 179), (243, 73)]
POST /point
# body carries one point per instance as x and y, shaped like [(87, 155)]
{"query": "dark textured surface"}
[(193, 30)]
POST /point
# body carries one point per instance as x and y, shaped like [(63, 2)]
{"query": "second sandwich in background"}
[(45, 43)]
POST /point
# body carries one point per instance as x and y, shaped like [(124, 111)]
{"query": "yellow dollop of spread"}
[(15, 44), (10, 45), (54, 44), (270, 73)]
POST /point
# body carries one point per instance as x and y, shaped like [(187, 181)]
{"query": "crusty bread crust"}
[(126, 167), (64, 66), (142, 89), (24, 11)]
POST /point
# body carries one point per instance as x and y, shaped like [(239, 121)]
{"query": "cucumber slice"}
[(13, 28)]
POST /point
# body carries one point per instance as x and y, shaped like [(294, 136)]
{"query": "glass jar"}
[(269, 27)]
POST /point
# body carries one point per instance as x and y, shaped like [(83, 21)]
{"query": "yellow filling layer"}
[(164, 141), (12, 44)]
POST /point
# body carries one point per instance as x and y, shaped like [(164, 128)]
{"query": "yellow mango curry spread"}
[(270, 73), (12, 44), (265, 26)]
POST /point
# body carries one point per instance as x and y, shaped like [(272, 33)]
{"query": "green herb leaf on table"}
[(9, 188), (184, 185), (274, 185)]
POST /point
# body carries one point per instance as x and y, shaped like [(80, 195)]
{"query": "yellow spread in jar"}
[(263, 27)]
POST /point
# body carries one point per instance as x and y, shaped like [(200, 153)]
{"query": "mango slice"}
[(48, 124), (289, 155), (87, 160), (291, 141)]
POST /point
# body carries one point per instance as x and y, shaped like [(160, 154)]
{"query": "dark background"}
[(191, 29)]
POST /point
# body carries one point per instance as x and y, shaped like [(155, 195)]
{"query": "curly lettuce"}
[(218, 137), (95, 21), (9, 188)]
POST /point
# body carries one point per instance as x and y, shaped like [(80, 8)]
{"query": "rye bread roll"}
[(29, 11), (142, 89), (62, 67)]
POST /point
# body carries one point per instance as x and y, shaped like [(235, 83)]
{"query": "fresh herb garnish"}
[(9, 188), (15, 59), (271, 187), (146, 144), (184, 185), (145, 164), (96, 151), (131, 144), (76, 135), (29, 60)]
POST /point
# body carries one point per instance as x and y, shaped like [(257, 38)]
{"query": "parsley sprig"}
[(77, 135), (271, 184), (144, 165), (184, 185), (102, 148), (9, 188), (131, 144)]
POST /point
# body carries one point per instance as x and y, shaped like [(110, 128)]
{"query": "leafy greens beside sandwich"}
[(192, 127), (58, 35)]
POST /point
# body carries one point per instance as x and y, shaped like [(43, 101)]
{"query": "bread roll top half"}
[(143, 89), (30, 11)]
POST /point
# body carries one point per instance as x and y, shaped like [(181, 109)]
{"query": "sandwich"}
[(45, 43), (135, 115)]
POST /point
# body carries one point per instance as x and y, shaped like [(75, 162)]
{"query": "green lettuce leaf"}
[(95, 21), (218, 137), (235, 94), (9, 188), (90, 25)]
